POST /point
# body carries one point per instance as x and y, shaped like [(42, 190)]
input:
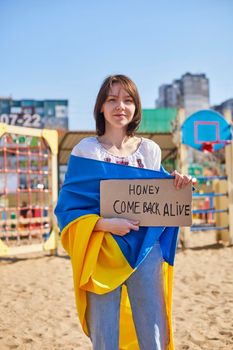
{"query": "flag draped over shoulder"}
[(103, 261)]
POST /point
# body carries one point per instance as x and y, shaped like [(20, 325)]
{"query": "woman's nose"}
[(120, 104)]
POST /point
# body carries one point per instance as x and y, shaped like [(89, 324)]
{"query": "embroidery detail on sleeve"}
[(140, 164)]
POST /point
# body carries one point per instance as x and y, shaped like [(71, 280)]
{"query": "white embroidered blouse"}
[(147, 155)]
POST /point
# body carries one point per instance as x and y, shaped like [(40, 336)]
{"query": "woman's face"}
[(119, 107)]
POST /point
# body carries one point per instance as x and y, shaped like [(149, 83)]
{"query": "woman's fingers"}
[(133, 224), (130, 225), (177, 179), (175, 173), (121, 226), (187, 180), (181, 180), (134, 227)]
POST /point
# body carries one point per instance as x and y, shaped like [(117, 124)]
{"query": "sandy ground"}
[(37, 307)]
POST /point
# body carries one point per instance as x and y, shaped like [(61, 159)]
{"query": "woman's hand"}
[(181, 180), (116, 226)]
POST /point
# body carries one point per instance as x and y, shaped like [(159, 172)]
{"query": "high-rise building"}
[(191, 92), (50, 114), (228, 104)]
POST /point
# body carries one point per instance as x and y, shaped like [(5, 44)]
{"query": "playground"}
[(33, 163), (37, 308)]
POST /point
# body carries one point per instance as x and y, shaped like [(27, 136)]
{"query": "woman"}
[(118, 114)]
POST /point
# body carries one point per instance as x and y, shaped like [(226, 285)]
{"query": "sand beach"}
[(37, 306)]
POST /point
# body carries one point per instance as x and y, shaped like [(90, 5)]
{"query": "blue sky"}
[(65, 48)]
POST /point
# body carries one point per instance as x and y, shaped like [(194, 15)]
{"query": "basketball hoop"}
[(208, 147)]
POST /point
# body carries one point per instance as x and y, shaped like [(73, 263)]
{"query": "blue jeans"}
[(145, 290)]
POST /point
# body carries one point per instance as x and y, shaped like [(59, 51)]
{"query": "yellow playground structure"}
[(28, 190)]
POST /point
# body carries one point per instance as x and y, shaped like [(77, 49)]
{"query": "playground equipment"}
[(208, 131), (28, 189)]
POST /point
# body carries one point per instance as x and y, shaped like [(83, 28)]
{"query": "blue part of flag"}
[(80, 195)]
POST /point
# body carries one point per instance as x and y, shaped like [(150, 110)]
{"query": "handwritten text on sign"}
[(152, 202)]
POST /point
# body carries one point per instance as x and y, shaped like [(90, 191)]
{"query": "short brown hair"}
[(131, 88)]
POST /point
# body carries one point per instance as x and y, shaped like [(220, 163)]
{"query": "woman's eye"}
[(129, 100)]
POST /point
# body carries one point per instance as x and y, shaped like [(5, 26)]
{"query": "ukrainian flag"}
[(103, 261)]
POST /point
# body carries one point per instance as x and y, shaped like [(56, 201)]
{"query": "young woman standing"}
[(118, 114)]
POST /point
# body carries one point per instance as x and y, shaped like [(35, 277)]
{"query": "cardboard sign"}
[(153, 202)]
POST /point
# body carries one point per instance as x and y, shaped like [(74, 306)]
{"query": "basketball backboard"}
[(206, 130)]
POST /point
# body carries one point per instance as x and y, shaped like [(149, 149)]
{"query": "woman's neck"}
[(116, 138)]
